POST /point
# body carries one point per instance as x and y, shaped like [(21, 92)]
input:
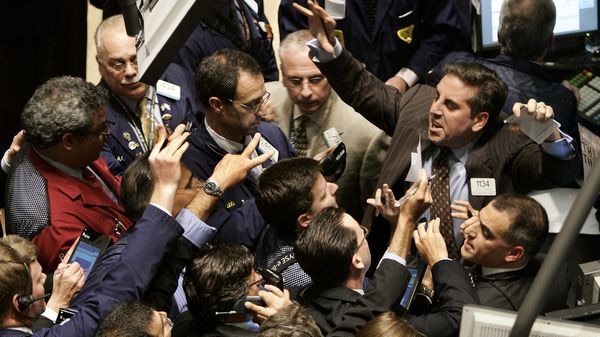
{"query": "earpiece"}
[(24, 302)]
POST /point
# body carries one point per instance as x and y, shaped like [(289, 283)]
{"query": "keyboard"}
[(589, 89)]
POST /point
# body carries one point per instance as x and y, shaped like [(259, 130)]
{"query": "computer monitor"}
[(479, 321), (166, 26), (573, 17)]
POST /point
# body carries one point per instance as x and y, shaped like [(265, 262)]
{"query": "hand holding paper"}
[(535, 119)]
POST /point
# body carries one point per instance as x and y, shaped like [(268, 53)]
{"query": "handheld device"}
[(416, 274), (65, 314), (240, 308), (332, 167), (271, 277), (91, 244)]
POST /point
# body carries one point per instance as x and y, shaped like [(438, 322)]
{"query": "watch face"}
[(211, 187)]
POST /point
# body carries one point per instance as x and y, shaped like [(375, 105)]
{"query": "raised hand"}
[(275, 299), (321, 25), (165, 165), (384, 202), (430, 242), (68, 280), (232, 169)]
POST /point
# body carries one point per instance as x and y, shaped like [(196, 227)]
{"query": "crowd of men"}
[(224, 216)]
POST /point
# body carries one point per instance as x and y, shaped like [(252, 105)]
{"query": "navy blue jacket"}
[(235, 217), (220, 33), (149, 239), (525, 80), (439, 28), (123, 144)]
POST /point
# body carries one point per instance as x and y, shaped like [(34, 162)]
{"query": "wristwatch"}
[(211, 187), (426, 291)]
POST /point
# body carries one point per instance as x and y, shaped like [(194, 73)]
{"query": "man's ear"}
[(14, 303), (215, 104), (67, 141), (515, 254), (357, 262), (480, 121), (303, 220)]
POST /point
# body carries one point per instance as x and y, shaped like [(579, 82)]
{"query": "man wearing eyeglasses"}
[(304, 102), (58, 185), (231, 88), (135, 108)]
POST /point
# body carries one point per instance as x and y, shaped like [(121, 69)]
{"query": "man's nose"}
[(130, 69), (332, 188)]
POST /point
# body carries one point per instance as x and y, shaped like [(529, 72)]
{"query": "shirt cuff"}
[(562, 148), (5, 163), (391, 256), (408, 76), (161, 208), (50, 314), (320, 55), (194, 229)]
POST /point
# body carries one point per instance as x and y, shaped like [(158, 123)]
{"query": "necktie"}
[(371, 12), (299, 139), (90, 178), (94, 182), (245, 30), (146, 120), (440, 207)]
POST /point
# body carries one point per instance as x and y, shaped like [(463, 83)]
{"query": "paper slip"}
[(532, 128), (414, 172)]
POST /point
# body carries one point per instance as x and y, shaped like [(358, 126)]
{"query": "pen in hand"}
[(398, 203)]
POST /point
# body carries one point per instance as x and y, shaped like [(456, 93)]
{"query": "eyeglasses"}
[(260, 283), (119, 66), (365, 232), (105, 132), (252, 108), (297, 82)]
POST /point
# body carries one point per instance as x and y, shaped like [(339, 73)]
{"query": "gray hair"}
[(61, 105), (296, 40), (526, 27), (115, 23)]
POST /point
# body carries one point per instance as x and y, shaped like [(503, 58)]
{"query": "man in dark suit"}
[(235, 24), (397, 40), (232, 89), (135, 109), (335, 254), (153, 234), (502, 240), (463, 121)]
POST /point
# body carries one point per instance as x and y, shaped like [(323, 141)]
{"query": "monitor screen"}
[(479, 321), (572, 17), (86, 255), (166, 26)]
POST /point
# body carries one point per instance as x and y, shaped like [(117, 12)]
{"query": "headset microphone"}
[(26, 301)]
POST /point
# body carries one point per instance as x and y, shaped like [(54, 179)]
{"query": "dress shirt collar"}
[(485, 271), (228, 145), (21, 328), (462, 153), (60, 166)]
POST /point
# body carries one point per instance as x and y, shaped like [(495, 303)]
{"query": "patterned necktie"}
[(145, 120), (371, 12), (440, 207), (300, 140)]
